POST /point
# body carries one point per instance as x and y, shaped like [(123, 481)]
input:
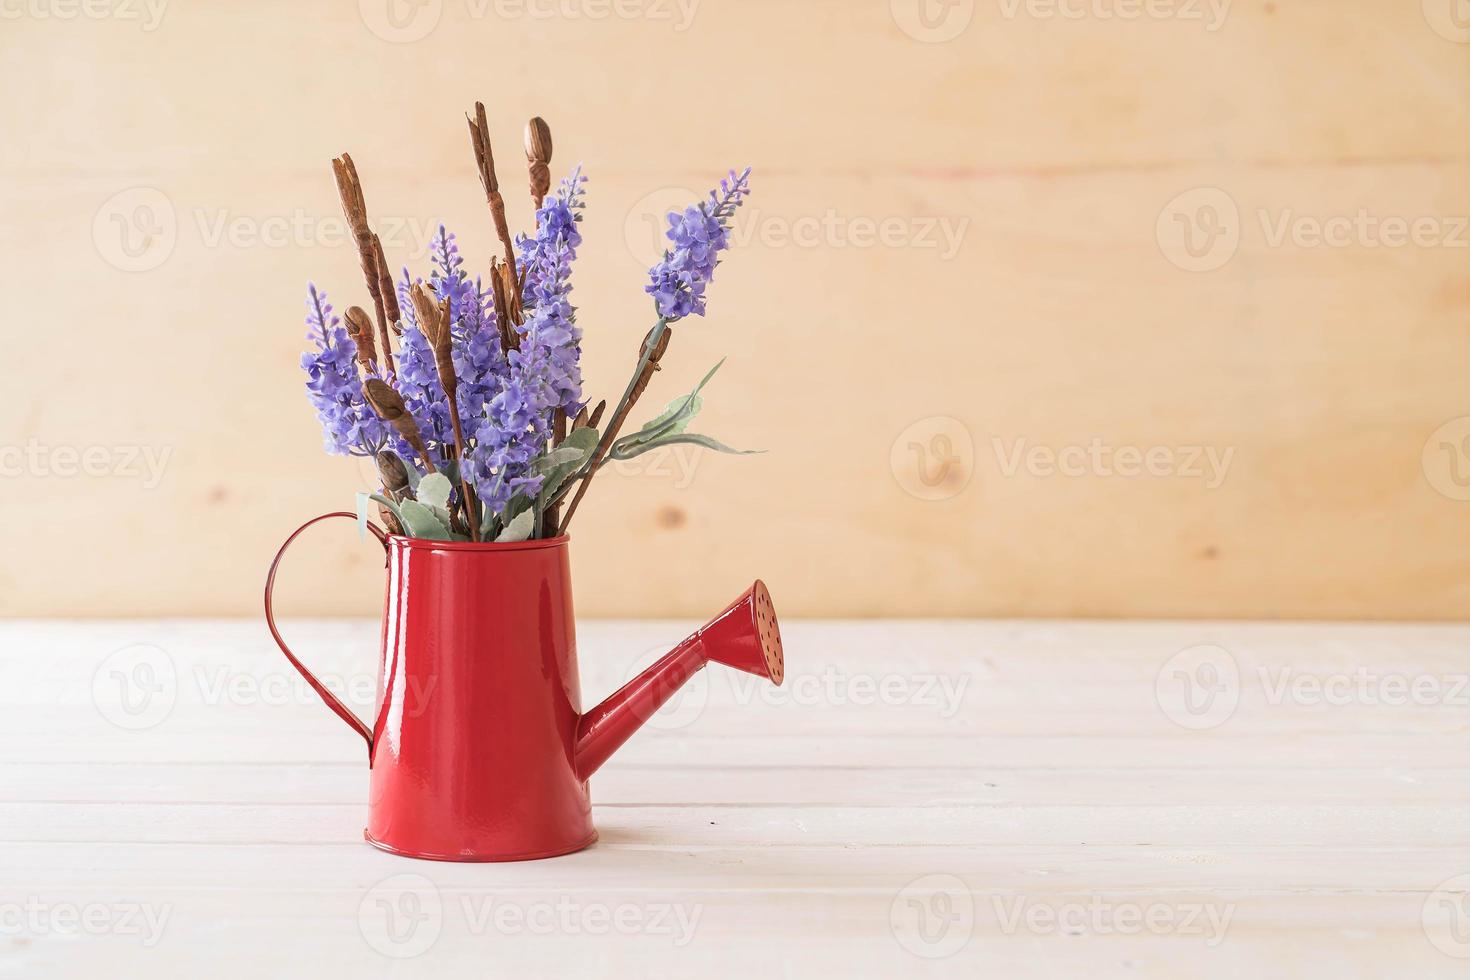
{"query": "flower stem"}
[(654, 346)]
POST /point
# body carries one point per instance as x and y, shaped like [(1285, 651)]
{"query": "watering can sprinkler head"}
[(745, 636)]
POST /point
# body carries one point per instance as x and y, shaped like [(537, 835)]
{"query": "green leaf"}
[(676, 416), (680, 439), (434, 491), (557, 457), (421, 522), (673, 420), (518, 529), (488, 526), (579, 445), (362, 512)]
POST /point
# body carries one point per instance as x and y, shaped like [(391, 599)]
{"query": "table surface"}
[(920, 799)]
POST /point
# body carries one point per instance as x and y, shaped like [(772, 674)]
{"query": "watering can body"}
[(478, 745)]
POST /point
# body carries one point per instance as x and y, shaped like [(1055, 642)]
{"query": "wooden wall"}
[(1099, 308)]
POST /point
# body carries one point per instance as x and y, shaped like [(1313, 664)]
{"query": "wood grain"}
[(963, 230), (1291, 840)]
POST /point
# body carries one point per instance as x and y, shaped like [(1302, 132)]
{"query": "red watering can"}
[(479, 747)]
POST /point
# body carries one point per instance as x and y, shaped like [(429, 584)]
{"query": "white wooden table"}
[(921, 799)]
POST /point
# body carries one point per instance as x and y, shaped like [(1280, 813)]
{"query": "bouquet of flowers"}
[(469, 396)]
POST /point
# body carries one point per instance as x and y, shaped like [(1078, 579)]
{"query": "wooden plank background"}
[(960, 248)]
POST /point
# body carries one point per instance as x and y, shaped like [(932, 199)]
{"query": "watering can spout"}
[(745, 636)]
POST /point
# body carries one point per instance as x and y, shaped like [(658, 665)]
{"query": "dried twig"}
[(385, 285), (388, 404), (354, 207), (433, 319), (558, 435), (485, 163), (654, 346)]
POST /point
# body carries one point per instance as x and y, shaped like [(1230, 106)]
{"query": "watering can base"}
[(483, 857)]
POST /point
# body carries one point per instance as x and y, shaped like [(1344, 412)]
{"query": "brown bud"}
[(390, 520), (388, 404), (596, 415), (360, 329), (512, 287), (538, 155), (392, 472), (509, 340), (426, 307), (538, 141), (384, 399)]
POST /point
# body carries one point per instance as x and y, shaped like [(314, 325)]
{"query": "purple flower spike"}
[(699, 235), (550, 329), (545, 374), (349, 425)]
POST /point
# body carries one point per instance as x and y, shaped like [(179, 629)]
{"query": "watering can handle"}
[(332, 701)]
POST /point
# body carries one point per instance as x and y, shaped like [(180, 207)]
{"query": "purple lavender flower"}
[(545, 373), (512, 434), (418, 382), (550, 330), (677, 283), (349, 425), (479, 364), (556, 230)]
